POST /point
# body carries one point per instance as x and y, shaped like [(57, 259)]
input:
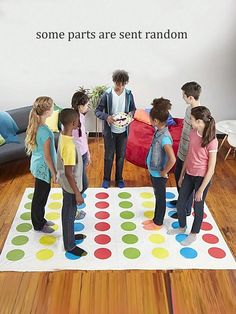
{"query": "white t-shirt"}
[(118, 105)]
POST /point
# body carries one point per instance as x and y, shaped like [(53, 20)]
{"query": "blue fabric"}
[(8, 128), (170, 120), (156, 174), (38, 166)]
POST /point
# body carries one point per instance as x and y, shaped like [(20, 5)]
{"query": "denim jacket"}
[(104, 107), (157, 152)]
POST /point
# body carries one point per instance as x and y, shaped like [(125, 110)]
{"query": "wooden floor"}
[(121, 292)]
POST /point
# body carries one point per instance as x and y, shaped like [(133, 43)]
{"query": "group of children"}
[(193, 172)]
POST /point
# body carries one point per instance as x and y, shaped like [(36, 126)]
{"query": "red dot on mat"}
[(204, 215), (206, 226), (102, 215), (102, 226), (101, 204), (210, 238), (102, 253), (101, 195), (217, 252), (102, 239)]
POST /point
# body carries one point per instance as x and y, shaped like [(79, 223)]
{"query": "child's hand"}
[(88, 161), (164, 174), (198, 196), (110, 120), (79, 199), (180, 181), (54, 178)]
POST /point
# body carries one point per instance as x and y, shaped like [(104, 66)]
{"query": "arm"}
[(71, 180), (182, 174), (99, 111), (170, 160), (48, 159), (208, 176)]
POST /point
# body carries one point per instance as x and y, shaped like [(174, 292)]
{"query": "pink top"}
[(81, 141), (198, 156)]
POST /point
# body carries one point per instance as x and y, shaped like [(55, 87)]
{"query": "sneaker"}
[(105, 184), (49, 223), (47, 229), (175, 215), (80, 214), (174, 203), (120, 184)]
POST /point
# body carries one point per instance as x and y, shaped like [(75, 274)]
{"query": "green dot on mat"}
[(146, 195), (47, 240), (156, 238), (130, 238), (124, 195), (56, 196), (20, 240), (125, 204), (131, 253), (148, 204), (44, 254), (160, 253), (30, 196), (128, 226), (55, 205), (28, 205), (25, 227), (15, 255), (25, 216), (52, 216), (126, 214)]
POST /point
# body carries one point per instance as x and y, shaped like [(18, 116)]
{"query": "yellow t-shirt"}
[(67, 150)]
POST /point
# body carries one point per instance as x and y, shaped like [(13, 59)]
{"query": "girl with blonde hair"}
[(40, 145)]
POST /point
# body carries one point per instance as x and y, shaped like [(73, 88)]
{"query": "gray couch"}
[(14, 151)]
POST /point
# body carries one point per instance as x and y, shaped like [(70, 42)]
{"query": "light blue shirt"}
[(165, 140), (118, 105), (38, 166)]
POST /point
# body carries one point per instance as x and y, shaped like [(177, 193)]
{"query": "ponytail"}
[(204, 114), (41, 105)]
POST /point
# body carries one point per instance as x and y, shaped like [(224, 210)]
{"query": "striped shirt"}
[(184, 141)]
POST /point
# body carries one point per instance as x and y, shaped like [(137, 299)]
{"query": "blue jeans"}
[(85, 178), (68, 218)]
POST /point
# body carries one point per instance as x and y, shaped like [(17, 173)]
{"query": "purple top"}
[(81, 141)]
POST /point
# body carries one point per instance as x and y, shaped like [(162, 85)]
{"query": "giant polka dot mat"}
[(115, 238)]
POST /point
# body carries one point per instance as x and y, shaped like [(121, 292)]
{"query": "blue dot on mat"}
[(169, 205), (71, 256), (84, 195), (180, 237), (170, 195), (171, 213), (175, 224), (188, 252), (79, 241), (78, 226), (81, 206)]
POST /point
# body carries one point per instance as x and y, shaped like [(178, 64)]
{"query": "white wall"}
[(31, 67)]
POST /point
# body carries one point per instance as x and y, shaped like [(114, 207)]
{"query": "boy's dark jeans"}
[(114, 143), (40, 197), (178, 169), (159, 187), (68, 218), (190, 184)]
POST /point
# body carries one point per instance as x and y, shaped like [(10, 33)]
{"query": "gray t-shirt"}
[(184, 141)]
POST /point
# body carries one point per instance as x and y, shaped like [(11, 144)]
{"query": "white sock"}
[(189, 240), (176, 231)]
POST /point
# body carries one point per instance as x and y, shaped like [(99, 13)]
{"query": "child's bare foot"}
[(147, 222), (152, 226)]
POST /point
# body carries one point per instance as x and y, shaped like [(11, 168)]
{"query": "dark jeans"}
[(159, 187), (114, 143), (191, 184), (178, 169), (40, 197), (68, 218), (85, 178)]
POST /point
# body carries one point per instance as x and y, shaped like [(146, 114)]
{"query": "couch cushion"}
[(13, 151), (21, 117)]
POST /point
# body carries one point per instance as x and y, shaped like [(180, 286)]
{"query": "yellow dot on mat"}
[(55, 205), (55, 227), (160, 253), (52, 216), (56, 196), (149, 214), (47, 240), (156, 238), (44, 254), (148, 204), (146, 195)]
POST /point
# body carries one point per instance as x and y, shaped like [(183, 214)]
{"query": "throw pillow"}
[(2, 140), (8, 128), (57, 108), (142, 115), (52, 121)]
